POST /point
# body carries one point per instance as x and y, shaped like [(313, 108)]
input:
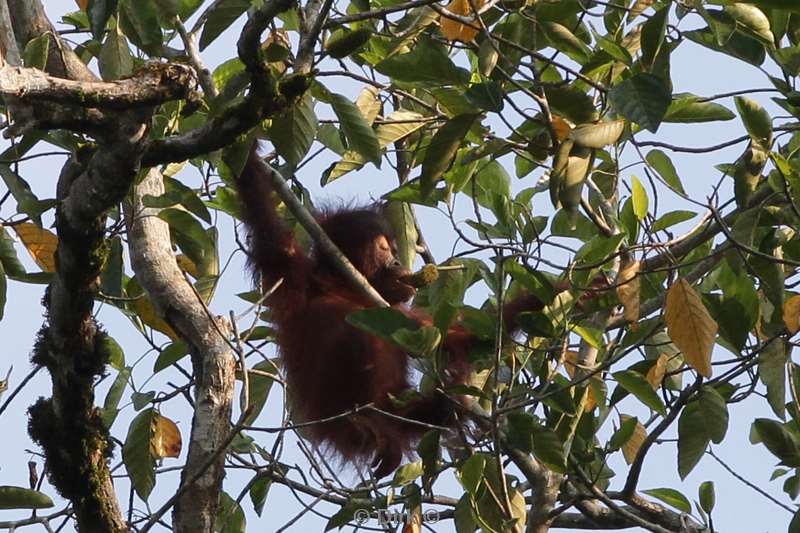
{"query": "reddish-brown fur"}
[(330, 365)]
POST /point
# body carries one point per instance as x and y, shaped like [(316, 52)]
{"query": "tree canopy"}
[(523, 139)]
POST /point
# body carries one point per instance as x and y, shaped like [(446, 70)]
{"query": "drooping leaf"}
[(690, 326), (442, 149), (293, 131), (359, 133), (40, 243), (756, 120), (692, 438), (220, 17), (137, 453), (637, 385)]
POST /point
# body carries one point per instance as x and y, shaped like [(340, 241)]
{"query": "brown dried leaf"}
[(791, 314), (690, 326), (561, 127), (628, 290), (454, 30), (631, 448), (40, 243), (656, 373)]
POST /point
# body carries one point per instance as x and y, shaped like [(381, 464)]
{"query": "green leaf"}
[(520, 431), (756, 120), (293, 132), (442, 150), (653, 32), (571, 102), (671, 497), (643, 99), (36, 51), (426, 62), (637, 384), (190, 236), (137, 455), (772, 373), (672, 218), (714, 410), (170, 355), (662, 164), (781, 442), (221, 17), (565, 41), (707, 496), (260, 385), (114, 395), (8, 255), (687, 108), (115, 59), (22, 498), (138, 19), (639, 198), (738, 45), (27, 202), (487, 96), (549, 449), (259, 490), (471, 473), (623, 434), (754, 21), (230, 517), (99, 13), (359, 133), (794, 525), (407, 473), (692, 438)]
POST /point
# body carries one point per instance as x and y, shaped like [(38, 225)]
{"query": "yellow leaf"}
[(631, 448), (791, 314), (144, 309), (40, 243), (628, 290), (591, 399), (454, 30), (656, 373), (166, 438), (690, 326), (570, 363), (369, 103), (187, 265)]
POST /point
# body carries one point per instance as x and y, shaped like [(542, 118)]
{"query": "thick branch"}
[(153, 85), (213, 359)]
